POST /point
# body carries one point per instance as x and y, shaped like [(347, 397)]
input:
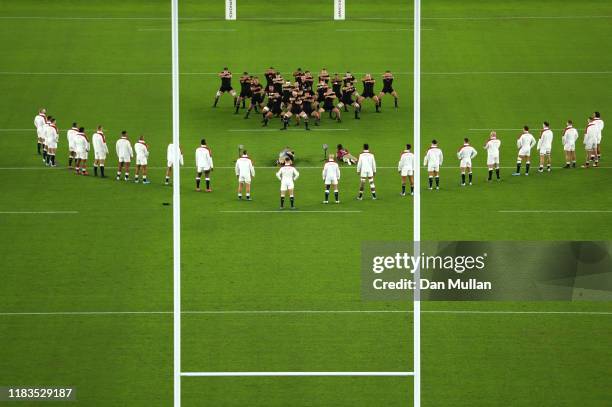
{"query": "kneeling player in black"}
[(226, 86), (347, 99), (368, 91), (328, 105), (273, 108), (245, 90), (387, 87), (257, 96)]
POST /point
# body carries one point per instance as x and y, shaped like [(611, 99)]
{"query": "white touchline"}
[(191, 29), (297, 374), (38, 212), (290, 211), (556, 211), (379, 29)]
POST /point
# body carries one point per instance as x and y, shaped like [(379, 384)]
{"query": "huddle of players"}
[(303, 99), (525, 142)]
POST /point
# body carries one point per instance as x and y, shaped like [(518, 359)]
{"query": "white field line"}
[(276, 130), (42, 167), (38, 212), (556, 211), (293, 374), (515, 129), (297, 312), (455, 73), (290, 211), (144, 18), (191, 29), (379, 29)]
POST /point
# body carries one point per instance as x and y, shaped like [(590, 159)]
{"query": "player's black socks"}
[(38, 148), (102, 171), (337, 196), (69, 161), (247, 113), (216, 101), (403, 189), (470, 177), (256, 110), (430, 179), (207, 183), (306, 124), (437, 181), (527, 168), (326, 195), (292, 200), (237, 108), (95, 170), (198, 183), (377, 108), (44, 154), (395, 99), (497, 172), (285, 123), (265, 121), (463, 179), (411, 189), (282, 201), (356, 114), (490, 175), (235, 100), (243, 103), (518, 168)]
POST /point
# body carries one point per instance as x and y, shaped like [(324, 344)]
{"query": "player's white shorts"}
[(99, 155), (40, 134), (285, 185), (366, 174), (141, 160), (51, 144), (492, 159), (598, 137), (331, 181), (524, 152), (465, 162), (71, 147), (590, 145), (81, 155), (545, 151), (124, 159), (203, 169), (407, 172), (433, 167), (569, 147), (244, 178)]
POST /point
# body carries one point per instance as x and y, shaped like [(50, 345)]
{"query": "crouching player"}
[(331, 176), (123, 147), (287, 174), (244, 171), (204, 164), (366, 168), (406, 169), (433, 160), (142, 158), (81, 145), (492, 146), (100, 151), (570, 135), (465, 154), (170, 157)]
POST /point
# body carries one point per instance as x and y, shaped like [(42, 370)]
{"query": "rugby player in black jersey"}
[(286, 93), (348, 91), (295, 108), (273, 107), (308, 80), (257, 96), (269, 74), (298, 76), (388, 87), (311, 106), (368, 91), (226, 86), (324, 75), (278, 82), (245, 90), (329, 105), (321, 89)]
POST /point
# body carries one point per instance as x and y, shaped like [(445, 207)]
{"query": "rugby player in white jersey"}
[(405, 167), (590, 143), (524, 143), (204, 165), (51, 140), (44, 131), (600, 126), (366, 168), (492, 146), (124, 150), (81, 145), (71, 137), (433, 160), (100, 151), (287, 175), (331, 176), (570, 135), (465, 155), (142, 160), (39, 121), (245, 171), (545, 147), (170, 158)]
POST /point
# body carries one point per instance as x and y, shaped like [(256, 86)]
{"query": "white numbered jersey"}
[(203, 158), (124, 148), (546, 139), (141, 148), (433, 157), (39, 120), (367, 162), (287, 173), (170, 154), (570, 135), (526, 141), (406, 161), (467, 152), (331, 170), (99, 142), (492, 147), (244, 167)]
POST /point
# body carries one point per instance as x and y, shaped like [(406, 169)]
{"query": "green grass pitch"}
[(108, 62)]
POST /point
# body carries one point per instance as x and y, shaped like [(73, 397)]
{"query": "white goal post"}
[(339, 9)]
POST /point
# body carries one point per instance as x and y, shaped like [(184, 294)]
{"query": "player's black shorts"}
[(246, 94), (387, 90), (225, 89), (308, 109), (276, 109), (347, 101), (369, 94), (296, 109), (256, 99), (328, 107)]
